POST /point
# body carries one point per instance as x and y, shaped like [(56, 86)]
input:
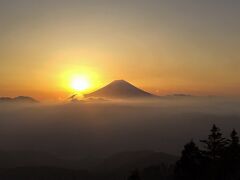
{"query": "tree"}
[(231, 162), (189, 165), (219, 160), (234, 140), (213, 154), (134, 176), (215, 144)]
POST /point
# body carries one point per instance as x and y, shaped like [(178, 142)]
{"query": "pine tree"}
[(234, 140), (215, 144), (219, 160), (134, 176), (189, 166), (231, 163), (213, 153)]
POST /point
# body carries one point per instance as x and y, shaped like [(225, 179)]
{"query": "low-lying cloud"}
[(100, 128)]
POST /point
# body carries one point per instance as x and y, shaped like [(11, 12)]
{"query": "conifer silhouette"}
[(188, 167), (134, 176), (215, 144), (231, 162), (219, 160)]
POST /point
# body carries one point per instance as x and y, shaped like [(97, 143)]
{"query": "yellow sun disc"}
[(79, 83)]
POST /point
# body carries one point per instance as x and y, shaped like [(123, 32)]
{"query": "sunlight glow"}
[(80, 83), (79, 79)]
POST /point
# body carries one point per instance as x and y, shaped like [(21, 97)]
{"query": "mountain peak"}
[(119, 89), (119, 81)]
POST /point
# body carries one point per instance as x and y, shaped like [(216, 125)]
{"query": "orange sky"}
[(161, 46)]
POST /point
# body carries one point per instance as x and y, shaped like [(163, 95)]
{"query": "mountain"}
[(26, 165), (122, 161), (120, 89), (11, 159), (40, 173), (125, 162), (28, 158), (18, 99)]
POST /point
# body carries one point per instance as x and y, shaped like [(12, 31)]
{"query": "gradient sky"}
[(163, 46)]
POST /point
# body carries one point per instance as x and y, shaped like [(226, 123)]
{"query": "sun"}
[(80, 83), (79, 80)]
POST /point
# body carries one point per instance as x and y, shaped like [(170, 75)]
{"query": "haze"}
[(102, 128)]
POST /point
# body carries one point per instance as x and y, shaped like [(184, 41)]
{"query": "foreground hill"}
[(120, 89)]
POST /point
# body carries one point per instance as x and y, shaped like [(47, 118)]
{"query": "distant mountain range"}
[(21, 164), (18, 99), (125, 162), (119, 89)]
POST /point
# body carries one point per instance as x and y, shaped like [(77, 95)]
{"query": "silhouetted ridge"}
[(21, 99), (120, 89), (124, 162)]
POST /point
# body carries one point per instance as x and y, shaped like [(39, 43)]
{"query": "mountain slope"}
[(120, 89)]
